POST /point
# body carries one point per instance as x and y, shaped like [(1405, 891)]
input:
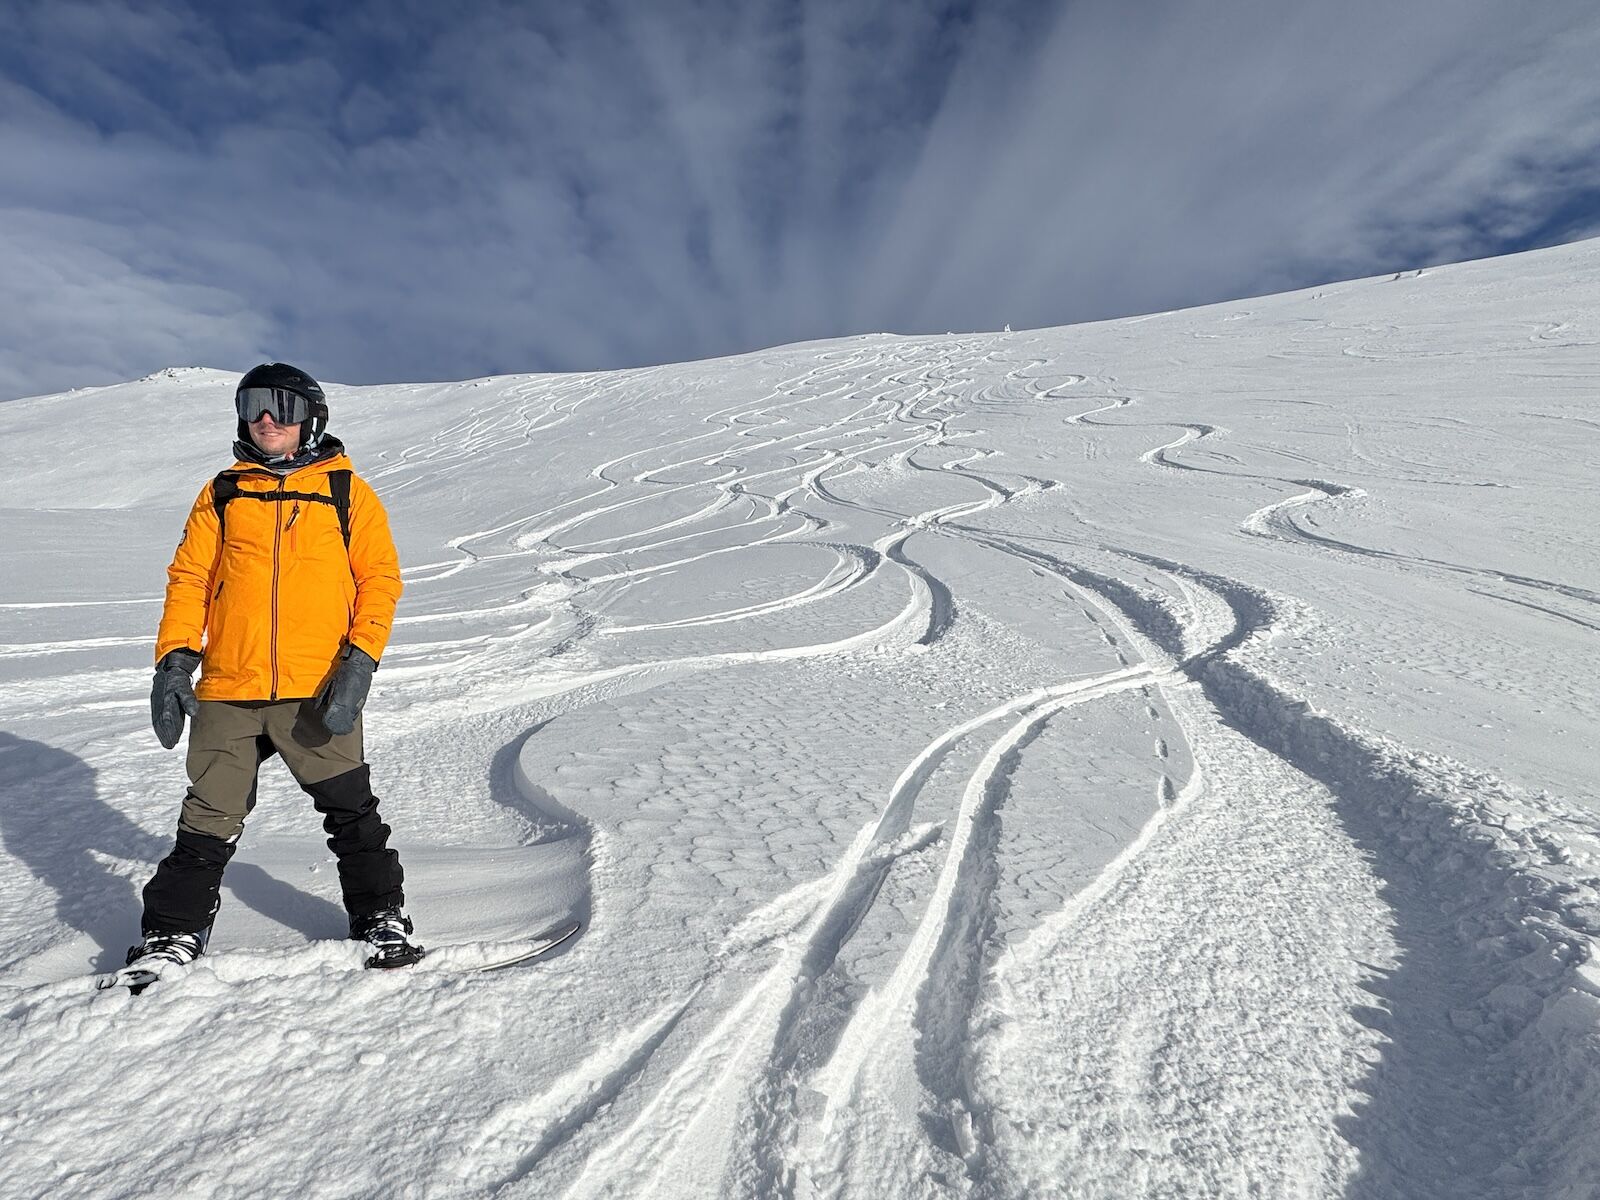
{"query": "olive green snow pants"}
[(228, 742)]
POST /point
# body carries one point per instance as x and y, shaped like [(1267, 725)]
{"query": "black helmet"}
[(291, 379)]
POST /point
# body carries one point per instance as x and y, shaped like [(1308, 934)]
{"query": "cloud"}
[(386, 191), (1160, 162), (78, 313)]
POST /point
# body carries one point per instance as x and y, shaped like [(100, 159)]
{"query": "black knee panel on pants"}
[(185, 892), (369, 872)]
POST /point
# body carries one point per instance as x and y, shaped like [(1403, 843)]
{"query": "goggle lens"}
[(286, 407)]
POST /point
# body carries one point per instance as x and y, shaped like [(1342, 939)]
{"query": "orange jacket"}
[(272, 606)]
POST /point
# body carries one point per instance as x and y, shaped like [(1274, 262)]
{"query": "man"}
[(282, 592)]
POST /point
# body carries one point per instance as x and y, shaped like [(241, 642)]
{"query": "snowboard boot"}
[(161, 950), (388, 932)]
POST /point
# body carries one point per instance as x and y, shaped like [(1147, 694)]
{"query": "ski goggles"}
[(286, 407)]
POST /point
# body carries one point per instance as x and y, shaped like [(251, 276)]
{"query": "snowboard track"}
[(1476, 905), (1375, 786)]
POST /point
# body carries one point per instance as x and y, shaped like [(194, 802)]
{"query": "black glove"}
[(172, 695), (343, 695)]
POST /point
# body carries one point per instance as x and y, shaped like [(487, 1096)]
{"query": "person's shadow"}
[(97, 861)]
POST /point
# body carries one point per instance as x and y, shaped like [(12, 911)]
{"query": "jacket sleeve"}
[(375, 564), (189, 579)]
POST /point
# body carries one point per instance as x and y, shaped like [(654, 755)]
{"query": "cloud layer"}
[(381, 191)]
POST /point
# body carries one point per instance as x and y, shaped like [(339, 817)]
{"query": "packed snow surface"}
[(1144, 759)]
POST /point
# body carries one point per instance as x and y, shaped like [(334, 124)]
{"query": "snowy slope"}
[(1153, 758)]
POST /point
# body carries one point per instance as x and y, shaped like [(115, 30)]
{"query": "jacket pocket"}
[(219, 657)]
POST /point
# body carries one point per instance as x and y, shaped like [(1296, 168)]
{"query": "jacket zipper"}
[(277, 541)]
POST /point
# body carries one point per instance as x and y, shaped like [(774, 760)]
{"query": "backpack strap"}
[(339, 486), (225, 487)]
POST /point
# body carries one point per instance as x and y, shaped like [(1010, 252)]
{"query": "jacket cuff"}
[(165, 648), (367, 646)]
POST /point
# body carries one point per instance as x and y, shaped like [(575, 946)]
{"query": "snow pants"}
[(228, 742)]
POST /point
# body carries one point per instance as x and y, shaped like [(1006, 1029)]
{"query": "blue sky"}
[(403, 191)]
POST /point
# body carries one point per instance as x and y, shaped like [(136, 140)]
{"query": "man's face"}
[(273, 438)]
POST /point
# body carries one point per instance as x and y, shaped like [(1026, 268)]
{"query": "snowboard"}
[(542, 945), (136, 979)]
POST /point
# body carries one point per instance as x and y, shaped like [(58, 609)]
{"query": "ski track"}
[(939, 960), (697, 1093)]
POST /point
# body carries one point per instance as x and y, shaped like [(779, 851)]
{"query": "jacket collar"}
[(250, 457)]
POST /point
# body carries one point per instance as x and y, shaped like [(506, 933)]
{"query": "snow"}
[(1150, 758)]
